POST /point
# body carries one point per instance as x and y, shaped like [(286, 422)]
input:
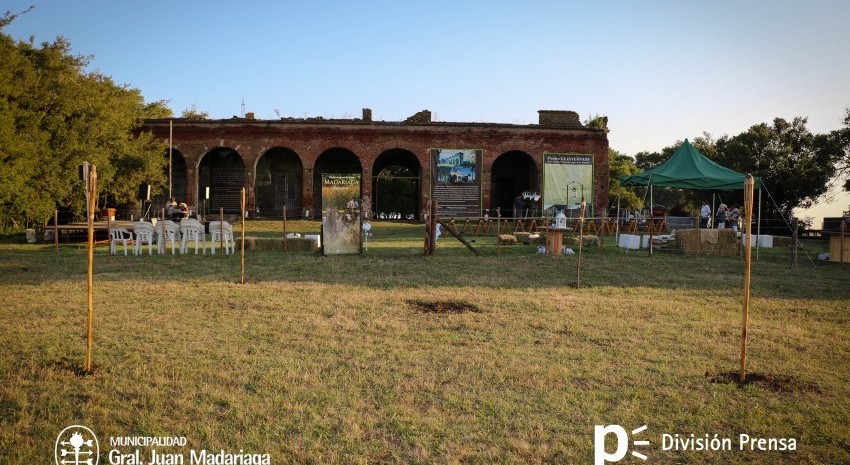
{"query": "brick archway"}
[(336, 160), (222, 169)]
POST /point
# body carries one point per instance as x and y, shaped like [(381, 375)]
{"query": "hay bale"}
[(782, 241), (586, 240), (507, 239), (267, 244), (717, 242), (523, 237)]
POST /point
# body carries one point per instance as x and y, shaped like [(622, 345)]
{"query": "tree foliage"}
[(193, 113), (619, 166), (53, 116), (795, 165)]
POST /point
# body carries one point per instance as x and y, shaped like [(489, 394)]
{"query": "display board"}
[(566, 178), (341, 214), (456, 182)]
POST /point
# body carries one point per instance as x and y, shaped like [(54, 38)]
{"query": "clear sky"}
[(661, 71)]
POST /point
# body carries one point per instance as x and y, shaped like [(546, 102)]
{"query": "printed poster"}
[(341, 214), (456, 182), (566, 178)]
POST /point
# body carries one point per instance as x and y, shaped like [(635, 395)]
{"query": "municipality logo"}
[(76, 445), (600, 455)]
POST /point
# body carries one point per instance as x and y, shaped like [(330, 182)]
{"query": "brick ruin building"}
[(280, 162)]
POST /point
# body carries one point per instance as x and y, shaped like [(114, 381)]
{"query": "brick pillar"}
[(307, 191)]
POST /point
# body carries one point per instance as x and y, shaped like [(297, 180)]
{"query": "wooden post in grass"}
[(243, 235), (220, 230), (284, 229), (748, 254), (92, 199), (843, 228), (498, 227), (108, 227), (580, 241), (162, 234), (794, 238), (56, 230)]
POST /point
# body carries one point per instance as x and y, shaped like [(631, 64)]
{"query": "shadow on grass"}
[(772, 382)]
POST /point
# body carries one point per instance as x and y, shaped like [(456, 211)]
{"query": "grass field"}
[(331, 360)]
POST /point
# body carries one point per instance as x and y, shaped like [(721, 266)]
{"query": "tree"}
[(619, 166), (795, 165), (53, 116), (842, 140), (194, 114)]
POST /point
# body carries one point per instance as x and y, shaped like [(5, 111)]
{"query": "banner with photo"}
[(341, 214), (566, 178), (456, 182)]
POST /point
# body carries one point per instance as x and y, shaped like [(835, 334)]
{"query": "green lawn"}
[(331, 360)]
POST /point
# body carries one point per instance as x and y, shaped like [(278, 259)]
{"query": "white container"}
[(31, 236), (765, 241), (629, 241), (315, 237)]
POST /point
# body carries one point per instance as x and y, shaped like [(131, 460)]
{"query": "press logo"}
[(76, 445), (600, 455)]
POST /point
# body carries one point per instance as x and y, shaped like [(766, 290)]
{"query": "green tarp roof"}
[(689, 169)]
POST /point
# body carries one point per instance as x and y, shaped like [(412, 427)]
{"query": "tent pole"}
[(711, 215), (617, 222), (649, 225)]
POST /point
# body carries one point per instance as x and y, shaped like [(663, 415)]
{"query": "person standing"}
[(721, 216), (519, 206), (704, 214), (733, 217)]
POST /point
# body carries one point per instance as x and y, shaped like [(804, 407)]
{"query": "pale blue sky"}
[(661, 70)]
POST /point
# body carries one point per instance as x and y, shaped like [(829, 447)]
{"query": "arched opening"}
[(395, 185), (223, 171), (278, 183), (179, 176), (332, 161), (512, 174)]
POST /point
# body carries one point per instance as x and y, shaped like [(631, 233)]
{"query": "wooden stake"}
[(56, 230), (243, 235), (499, 226), (92, 187), (284, 229), (162, 234), (843, 228), (220, 230), (748, 253)]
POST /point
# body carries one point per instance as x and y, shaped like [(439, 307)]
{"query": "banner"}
[(341, 214), (456, 182), (567, 177)]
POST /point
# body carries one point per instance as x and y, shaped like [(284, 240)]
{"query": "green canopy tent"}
[(688, 169)]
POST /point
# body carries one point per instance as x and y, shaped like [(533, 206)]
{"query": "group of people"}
[(175, 211), (725, 217)]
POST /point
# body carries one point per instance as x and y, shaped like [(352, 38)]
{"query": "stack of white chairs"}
[(172, 234), (117, 235), (192, 230), (222, 231), (144, 233)]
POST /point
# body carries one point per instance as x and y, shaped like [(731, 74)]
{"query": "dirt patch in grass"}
[(776, 383), (442, 306)]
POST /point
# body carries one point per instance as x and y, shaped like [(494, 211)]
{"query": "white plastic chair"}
[(172, 234), (192, 230), (222, 231), (121, 235), (144, 233)]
